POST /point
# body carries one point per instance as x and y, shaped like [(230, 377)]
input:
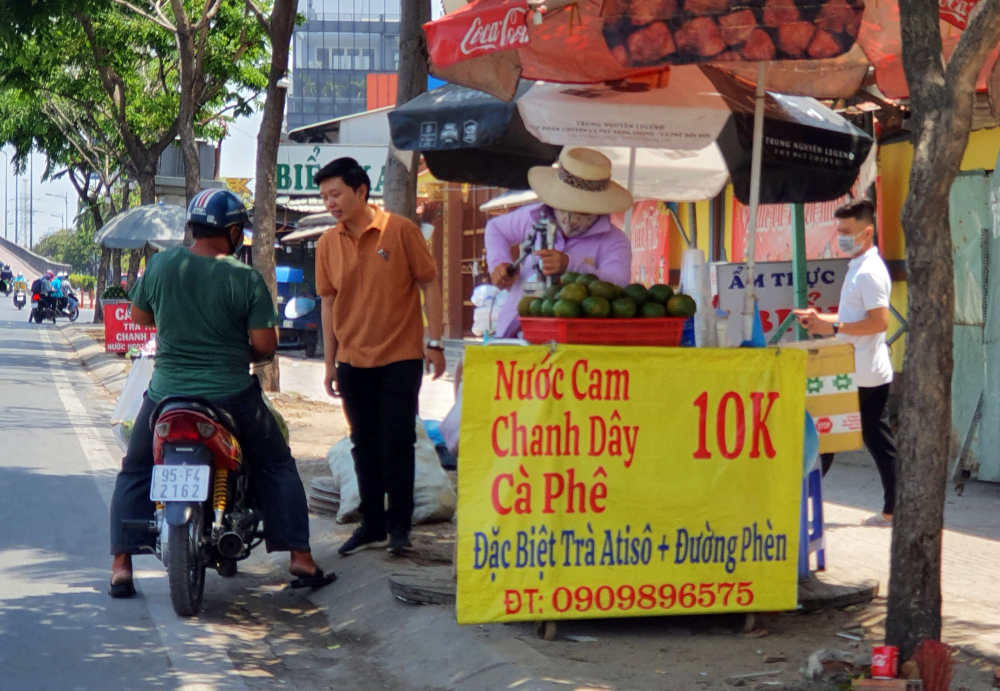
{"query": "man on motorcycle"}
[(6, 276), (214, 316)]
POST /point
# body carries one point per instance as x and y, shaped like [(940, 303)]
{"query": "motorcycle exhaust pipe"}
[(231, 545)]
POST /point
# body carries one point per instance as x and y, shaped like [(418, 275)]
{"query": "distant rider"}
[(214, 316), (6, 276)]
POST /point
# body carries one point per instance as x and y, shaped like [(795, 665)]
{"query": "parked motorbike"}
[(205, 514), (20, 299)]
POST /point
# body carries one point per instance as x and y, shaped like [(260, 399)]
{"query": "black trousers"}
[(381, 408), (878, 438), (274, 478)]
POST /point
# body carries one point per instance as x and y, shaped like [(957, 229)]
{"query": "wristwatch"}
[(836, 328), (435, 345)]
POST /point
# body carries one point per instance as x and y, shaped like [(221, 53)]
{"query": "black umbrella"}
[(810, 153), (469, 136)]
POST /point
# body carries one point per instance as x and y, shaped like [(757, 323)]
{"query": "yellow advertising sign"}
[(611, 482)]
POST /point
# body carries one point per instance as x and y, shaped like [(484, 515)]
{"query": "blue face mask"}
[(849, 245)]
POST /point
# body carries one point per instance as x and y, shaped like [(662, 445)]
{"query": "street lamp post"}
[(6, 175), (65, 198)]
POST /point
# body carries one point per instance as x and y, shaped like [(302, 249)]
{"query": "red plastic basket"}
[(663, 331)]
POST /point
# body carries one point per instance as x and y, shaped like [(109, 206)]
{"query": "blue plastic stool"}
[(811, 538)]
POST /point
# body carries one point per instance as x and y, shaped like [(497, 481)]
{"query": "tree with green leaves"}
[(219, 54)]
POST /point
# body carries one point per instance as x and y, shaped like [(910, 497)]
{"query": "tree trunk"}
[(266, 186), (942, 101), (102, 283), (116, 266), (134, 259), (190, 91), (400, 189)]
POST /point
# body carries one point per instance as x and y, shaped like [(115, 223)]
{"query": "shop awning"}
[(305, 234)]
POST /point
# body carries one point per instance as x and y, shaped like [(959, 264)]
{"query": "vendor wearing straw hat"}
[(579, 195)]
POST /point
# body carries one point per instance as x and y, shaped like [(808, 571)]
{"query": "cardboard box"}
[(832, 394)]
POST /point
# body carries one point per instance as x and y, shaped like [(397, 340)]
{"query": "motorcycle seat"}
[(197, 405)]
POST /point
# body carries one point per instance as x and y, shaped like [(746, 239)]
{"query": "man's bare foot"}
[(302, 564), (121, 569)]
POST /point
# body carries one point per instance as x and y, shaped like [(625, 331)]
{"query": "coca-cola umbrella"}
[(808, 44), (490, 44), (469, 136)]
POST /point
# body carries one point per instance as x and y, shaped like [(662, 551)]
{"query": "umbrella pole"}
[(755, 164), (630, 184)]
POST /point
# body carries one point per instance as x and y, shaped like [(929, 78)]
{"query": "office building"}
[(334, 51)]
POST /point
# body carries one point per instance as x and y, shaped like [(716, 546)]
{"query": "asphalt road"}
[(59, 630)]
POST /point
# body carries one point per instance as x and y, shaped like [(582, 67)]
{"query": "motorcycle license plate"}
[(180, 483), (288, 324)]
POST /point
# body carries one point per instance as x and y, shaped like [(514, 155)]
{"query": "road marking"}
[(207, 666)]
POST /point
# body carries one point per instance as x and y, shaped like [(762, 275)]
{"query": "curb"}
[(110, 370)]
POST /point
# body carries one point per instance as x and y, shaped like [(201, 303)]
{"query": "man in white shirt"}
[(862, 319)]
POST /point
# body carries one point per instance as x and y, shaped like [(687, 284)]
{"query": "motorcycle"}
[(42, 308), (205, 514), (48, 307), (20, 299)]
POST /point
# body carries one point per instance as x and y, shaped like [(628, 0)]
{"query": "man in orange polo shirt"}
[(370, 271)]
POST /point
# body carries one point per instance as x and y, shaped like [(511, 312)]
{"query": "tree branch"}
[(261, 17), (160, 21)]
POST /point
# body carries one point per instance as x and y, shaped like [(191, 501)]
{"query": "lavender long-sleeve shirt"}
[(603, 250)]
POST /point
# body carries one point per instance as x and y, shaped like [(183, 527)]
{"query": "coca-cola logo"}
[(880, 660), (502, 34), (956, 12)]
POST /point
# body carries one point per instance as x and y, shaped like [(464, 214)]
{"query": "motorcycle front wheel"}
[(185, 565)]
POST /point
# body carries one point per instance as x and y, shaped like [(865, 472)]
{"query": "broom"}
[(935, 661)]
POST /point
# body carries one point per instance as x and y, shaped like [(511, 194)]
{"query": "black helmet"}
[(217, 209)]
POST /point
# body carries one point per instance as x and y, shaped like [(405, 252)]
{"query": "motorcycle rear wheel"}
[(186, 565), (74, 315), (37, 316)]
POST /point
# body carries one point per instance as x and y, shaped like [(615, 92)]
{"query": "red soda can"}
[(885, 662)]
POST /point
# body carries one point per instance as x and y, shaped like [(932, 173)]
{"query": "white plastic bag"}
[(450, 424), (130, 400), (434, 498), (483, 294)]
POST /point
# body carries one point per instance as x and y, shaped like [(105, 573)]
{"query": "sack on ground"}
[(451, 423), (434, 498), (130, 400)]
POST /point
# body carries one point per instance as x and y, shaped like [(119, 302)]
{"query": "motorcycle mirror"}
[(299, 307)]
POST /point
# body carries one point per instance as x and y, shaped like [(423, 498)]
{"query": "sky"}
[(239, 157)]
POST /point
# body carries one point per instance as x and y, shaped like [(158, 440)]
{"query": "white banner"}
[(775, 293), (298, 163)]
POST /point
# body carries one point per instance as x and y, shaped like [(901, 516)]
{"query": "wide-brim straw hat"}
[(580, 182)]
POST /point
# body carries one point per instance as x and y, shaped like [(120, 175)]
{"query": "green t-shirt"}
[(204, 308)]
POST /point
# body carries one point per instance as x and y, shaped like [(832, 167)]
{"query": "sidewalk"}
[(375, 641), (971, 554)]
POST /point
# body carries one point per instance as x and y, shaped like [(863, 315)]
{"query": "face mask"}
[(849, 244), (573, 224), (235, 246)]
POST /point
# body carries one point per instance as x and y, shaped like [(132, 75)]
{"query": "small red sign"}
[(120, 332), (956, 12), (480, 28), (824, 425)]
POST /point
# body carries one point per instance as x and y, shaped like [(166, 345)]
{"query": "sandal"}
[(121, 591), (314, 580)]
